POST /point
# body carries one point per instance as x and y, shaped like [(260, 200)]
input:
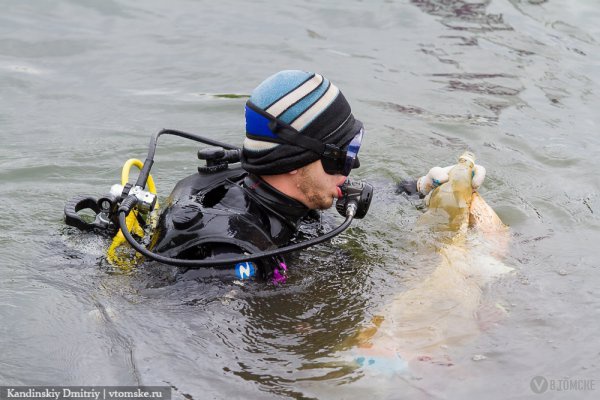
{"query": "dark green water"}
[(83, 85)]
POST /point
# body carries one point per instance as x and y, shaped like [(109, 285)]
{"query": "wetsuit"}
[(225, 214), (409, 187)]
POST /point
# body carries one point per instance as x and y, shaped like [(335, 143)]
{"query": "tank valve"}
[(145, 200), (217, 159)]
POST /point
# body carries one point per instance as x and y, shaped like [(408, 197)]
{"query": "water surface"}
[(85, 83)]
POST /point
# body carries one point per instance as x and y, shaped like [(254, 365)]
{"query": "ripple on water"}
[(44, 49), (87, 81), (419, 112), (463, 15)]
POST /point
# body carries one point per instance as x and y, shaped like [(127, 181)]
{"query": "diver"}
[(301, 143)]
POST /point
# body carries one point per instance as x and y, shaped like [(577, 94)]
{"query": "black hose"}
[(145, 172), (130, 201), (228, 261)]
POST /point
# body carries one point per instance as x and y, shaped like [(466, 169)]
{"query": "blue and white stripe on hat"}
[(307, 103), (294, 97), (281, 105)]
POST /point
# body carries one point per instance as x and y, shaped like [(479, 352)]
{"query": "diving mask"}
[(337, 161)]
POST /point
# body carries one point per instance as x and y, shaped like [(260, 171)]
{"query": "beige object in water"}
[(439, 312)]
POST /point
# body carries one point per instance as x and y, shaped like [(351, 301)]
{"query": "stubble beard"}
[(317, 197)]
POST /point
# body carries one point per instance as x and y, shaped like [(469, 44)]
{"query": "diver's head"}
[(299, 123), (294, 118)]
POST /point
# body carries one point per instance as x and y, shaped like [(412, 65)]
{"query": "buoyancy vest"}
[(223, 213)]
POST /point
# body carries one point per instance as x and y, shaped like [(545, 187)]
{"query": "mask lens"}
[(352, 152), (344, 161), (332, 166)]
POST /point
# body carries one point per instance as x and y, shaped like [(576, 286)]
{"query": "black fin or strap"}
[(76, 204)]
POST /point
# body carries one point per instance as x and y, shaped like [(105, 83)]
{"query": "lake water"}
[(85, 83)]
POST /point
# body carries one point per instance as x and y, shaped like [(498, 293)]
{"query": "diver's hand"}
[(434, 178), (478, 176), (437, 175)]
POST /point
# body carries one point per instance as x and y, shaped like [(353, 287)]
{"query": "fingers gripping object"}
[(438, 175), (478, 176), (435, 177)]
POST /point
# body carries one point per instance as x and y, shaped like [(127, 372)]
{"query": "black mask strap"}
[(292, 136)]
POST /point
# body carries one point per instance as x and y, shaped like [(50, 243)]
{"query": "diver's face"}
[(319, 188)]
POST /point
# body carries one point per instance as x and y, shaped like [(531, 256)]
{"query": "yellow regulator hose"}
[(120, 253)]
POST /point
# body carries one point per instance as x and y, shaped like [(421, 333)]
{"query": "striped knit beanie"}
[(302, 103)]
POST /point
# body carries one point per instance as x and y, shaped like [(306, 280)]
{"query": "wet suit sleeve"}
[(409, 187)]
